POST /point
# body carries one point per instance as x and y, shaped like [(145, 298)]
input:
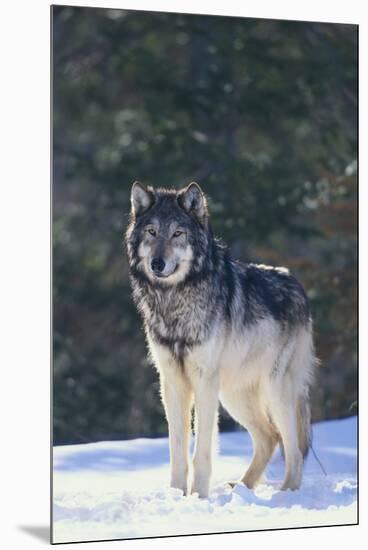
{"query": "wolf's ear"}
[(141, 198), (194, 202)]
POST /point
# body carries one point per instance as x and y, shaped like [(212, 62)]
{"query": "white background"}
[(25, 269)]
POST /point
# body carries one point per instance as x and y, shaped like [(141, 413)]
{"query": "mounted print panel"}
[(204, 274)]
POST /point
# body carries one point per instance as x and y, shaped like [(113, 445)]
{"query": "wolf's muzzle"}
[(157, 266)]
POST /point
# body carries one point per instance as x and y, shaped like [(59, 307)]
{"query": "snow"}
[(120, 489)]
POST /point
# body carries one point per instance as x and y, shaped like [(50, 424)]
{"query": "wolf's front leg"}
[(177, 398), (206, 407)]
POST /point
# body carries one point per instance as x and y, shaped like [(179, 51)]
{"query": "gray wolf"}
[(218, 329)]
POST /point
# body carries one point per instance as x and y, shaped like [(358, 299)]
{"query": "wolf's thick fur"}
[(219, 329)]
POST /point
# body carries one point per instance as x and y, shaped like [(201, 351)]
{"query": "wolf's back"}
[(272, 292)]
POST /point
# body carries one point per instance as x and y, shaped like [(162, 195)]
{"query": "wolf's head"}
[(168, 234)]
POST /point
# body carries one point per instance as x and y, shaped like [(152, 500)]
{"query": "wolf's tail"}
[(304, 424)]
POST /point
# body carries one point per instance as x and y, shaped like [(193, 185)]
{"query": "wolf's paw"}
[(201, 487), (290, 486), (183, 489), (292, 481), (180, 484)]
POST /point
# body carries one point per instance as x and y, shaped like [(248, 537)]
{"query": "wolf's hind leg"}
[(264, 443), (288, 405), (245, 408), (283, 412)]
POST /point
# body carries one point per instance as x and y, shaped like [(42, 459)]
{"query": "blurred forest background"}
[(263, 114)]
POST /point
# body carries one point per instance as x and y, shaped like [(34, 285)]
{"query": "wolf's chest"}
[(176, 324)]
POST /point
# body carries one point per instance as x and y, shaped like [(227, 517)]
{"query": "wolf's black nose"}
[(157, 265)]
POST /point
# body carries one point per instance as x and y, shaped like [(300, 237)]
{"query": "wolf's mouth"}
[(160, 275)]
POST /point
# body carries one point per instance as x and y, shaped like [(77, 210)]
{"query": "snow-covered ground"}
[(112, 490)]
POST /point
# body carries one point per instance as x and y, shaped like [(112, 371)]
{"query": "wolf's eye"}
[(177, 233), (152, 232)]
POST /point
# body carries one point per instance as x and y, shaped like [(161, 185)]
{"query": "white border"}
[(313, 10), (25, 281)]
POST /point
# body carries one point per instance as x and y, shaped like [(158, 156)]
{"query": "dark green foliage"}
[(263, 115)]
